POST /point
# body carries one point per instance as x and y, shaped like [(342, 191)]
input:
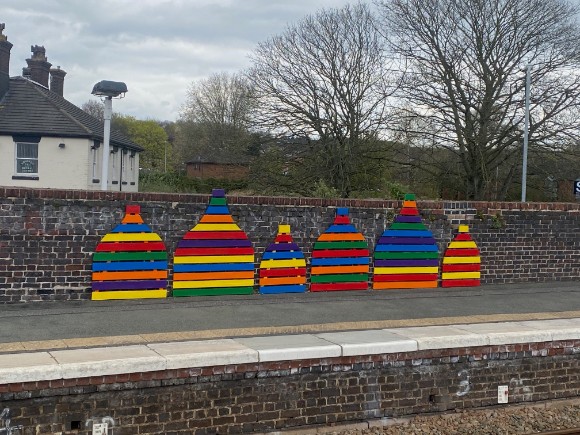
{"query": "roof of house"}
[(30, 108)]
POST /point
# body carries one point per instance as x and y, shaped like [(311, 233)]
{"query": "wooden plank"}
[(460, 275), (283, 238), (342, 220), (217, 209), (462, 252), (407, 233), (406, 248), (131, 228), (219, 291), (213, 283), (279, 247), (332, 253), (284, 271), (216, 218), (410, 227), (118, 276), (198, 276), (404, 285), (214, 243), (132, 209), (351, 277), (197, 259), (459, 245), (409, 212), (282, 255), (215, 227), (131, 237), (404, 270), (406, 241), (460, 267), (410, 204), (132, 219), (129, 285), (130, 246), (133, 294), (461, 260), (213, 235), (324, 270), (277, 289), (283, 280), (341, 229), (340, 245), (406, 277), (327, 237), (212, 267), (214, 251), (413, 219), (463, 237), (129, 256), (269, 264), (406, 263), (218, 201), (405, 255), (130, 265), (461, 283), (351, 261), (339, 286)]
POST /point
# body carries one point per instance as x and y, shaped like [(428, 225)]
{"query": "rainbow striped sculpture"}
[(406, 255), (130, 262), (340, 257), (283, 267), (461, 262), (215, 257)]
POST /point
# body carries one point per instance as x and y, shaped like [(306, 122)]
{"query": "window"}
[(26, 158)]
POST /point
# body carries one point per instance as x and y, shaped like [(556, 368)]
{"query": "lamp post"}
[(526, 133), (108, 90)]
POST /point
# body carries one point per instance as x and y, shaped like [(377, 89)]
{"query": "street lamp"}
[(526, 132), (108, 90)]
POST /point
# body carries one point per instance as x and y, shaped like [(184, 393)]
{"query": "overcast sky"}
[(157, 47)]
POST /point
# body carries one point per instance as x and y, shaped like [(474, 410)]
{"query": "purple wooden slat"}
[(129, 285), (214, 243), (406, 263), (283, 247), (406, 241), (408, 219)]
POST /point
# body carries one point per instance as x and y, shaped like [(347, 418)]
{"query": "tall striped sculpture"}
[(215, 257), (461, 262), (406, 255), (283, 267), (340, 257), (130, 262)]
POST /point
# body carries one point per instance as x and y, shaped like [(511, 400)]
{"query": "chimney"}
[(5, 48), (26, 72), (39, 65), (57, 80)]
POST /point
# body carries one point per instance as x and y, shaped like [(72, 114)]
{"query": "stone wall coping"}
[(142, 358)]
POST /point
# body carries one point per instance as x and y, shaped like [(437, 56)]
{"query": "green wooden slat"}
[(129, 256), (405, 255), (218, 291), (405, 226), (350, 277), (340, 245), (217, 201)]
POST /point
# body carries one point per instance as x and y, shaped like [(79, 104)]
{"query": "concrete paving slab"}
[(559, 329), (103, 341), (103, 361), (440, 337), (369, 342), (290, 347), (507, 332), (28, 367), (204, 353)]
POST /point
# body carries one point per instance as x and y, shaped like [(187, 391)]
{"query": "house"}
[(48, 142)]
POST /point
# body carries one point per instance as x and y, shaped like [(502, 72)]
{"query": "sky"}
[(157, 47)]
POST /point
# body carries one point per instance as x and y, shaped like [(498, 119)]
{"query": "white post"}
[(108, 112), (526, 127)]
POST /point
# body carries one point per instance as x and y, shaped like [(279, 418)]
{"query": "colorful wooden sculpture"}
[(130, 262), (283, 267), (406, 255), (215, 257), (340, 257), (461, 262)]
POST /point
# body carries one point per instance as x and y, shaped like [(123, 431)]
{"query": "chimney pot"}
[(39, 65), (57, 80)]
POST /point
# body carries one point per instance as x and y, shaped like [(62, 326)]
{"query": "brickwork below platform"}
[(247, 398), (47, 237)]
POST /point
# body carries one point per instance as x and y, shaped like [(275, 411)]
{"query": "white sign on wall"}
[(100, 428), (577, 187)]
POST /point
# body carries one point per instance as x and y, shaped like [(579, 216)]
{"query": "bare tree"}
[(325, 79), (95, 109), (465, 62)]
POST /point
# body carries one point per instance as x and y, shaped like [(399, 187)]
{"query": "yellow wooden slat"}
[(461, 260), (204, 259), (273, 264), (469, 244), (403, 270), (128, 294), (216, 227), (131, 237), (460, 275), (214, 283)]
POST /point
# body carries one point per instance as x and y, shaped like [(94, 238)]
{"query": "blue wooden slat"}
[(283, 247), (291, 288), (342, 211), (129, 265), (222, 267), (408, 219), (217, 209), (339, 261), (132, 228), (406, 248), (341, 229), (407, 233), (281, 255)]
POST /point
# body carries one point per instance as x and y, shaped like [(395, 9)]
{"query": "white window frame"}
[(16, 159)]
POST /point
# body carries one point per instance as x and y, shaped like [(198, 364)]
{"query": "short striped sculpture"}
[(283, 267), (130, 262), (406, 255), (340, 257), (461, 262), (215, 257)]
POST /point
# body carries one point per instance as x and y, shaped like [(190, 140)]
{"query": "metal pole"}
[(526, 128), (108, 112)]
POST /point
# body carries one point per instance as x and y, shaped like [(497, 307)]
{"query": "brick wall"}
[(47, 236), (271, 396)]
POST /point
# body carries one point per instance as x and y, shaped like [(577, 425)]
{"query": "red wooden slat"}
[(476, 267), (408, 211), (132, 209), (342, 220), (283, 238), (459, 252), (463, 237), (130, 246)]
